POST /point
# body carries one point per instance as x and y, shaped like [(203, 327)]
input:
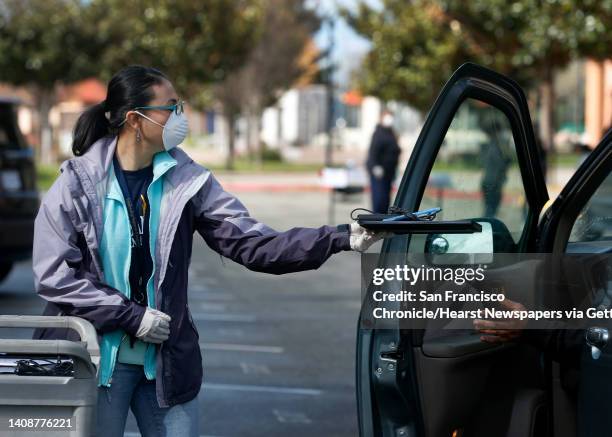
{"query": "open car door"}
[(579, 224), (476, 158)]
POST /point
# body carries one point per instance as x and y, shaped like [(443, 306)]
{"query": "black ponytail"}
[(91, 126), (129, 88)]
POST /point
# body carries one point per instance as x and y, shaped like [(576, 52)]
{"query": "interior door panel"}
[(455, 369), (451, 387), (476, 393)]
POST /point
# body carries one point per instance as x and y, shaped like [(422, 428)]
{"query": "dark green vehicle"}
[(19, 198), (413, 383)]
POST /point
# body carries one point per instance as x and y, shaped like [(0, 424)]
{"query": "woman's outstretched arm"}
[(226, 226)]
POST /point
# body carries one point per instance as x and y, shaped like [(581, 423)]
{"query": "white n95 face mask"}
[(387, 120), (175, 130)]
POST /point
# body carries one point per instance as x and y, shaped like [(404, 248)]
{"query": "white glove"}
[(361, 238), (154, 327), (378, 171)]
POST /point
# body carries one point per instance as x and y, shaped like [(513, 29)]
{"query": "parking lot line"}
[(254, 369), (263, 389), (211, 306), (207, 296), (137, 434), (242, 348), (210, 317), (291, 417)]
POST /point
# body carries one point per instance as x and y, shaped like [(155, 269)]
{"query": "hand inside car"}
[(502, 330)]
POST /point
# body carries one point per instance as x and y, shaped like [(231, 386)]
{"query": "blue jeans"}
[(131, 388), (381, 193)]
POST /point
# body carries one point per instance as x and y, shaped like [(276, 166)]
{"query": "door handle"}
[(596, 338)]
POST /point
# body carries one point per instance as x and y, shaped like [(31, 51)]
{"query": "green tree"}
[(43, 43), (412, 52), (49, 42), (274, 64), (418, 43), (196, 43)]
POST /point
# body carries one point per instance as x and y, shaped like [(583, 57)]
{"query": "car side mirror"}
[(475, 248)]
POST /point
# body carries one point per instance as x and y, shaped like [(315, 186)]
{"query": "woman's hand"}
[(502, 331), (361, 238), (154, 327)]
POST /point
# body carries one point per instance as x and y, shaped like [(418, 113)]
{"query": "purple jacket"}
[(68, 272)]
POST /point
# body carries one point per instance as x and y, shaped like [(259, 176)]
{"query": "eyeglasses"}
[(177, 107)]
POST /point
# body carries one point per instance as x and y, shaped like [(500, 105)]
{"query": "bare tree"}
[(274, 65)]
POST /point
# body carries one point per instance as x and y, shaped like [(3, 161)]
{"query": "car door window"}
[(594, 223), (476, 174)]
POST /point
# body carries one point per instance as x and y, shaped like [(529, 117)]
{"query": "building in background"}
[(299, 115), (297, 125), (598, 99)]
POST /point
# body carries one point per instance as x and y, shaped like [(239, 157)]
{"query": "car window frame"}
[(558, 220), (501, 92)]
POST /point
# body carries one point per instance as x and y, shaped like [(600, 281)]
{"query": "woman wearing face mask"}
[(113, 240)]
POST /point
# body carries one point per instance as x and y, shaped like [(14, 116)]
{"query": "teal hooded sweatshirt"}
[(115, 252)]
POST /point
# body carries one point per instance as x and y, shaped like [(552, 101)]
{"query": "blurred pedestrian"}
[(113, 240), (383, 157), (496, 155)]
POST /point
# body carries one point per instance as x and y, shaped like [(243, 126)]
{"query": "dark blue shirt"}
[(134, 184)]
